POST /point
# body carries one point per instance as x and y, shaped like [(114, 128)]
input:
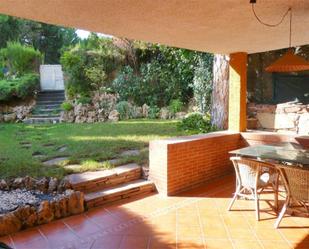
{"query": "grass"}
[(89, 145)]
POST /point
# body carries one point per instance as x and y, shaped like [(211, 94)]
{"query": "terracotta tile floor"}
[(195, 219)]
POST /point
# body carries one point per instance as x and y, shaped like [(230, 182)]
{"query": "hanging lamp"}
[(289, 62)]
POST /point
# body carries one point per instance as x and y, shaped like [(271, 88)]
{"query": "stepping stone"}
[(55, 161), (37, 154), (25, 145), (62, 149), (24, 142), (73, 167), (48, 145), (114, 162), (130, 153)]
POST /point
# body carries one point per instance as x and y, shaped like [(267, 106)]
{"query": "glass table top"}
[(279, 153)]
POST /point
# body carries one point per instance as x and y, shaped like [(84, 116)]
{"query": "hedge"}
[(21, 87)]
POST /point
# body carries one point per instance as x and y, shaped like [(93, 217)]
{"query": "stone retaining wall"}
[(288, 118), (16, 112)]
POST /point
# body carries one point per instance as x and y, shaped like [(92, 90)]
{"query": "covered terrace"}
[(192, 174)]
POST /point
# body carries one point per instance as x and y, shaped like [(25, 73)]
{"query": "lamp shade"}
[(289, 62)]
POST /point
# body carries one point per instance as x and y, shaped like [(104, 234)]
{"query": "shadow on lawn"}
[(142, 128)]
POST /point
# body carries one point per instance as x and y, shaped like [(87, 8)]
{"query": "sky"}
[(83, 34)]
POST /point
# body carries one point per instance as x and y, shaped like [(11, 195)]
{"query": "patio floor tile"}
[(194, 219), (57, 234), (164, 242), (194, 242), (81, 226), (247, 244), (218, 244), (134, 242), (107, 242)]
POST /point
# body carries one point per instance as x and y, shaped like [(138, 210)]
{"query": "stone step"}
[(47, 106), (118, 193), (46, 110), (48, 102), (98, 180), (51, 92), (50, 99), (35, 120), (51, 96), (49, 115)]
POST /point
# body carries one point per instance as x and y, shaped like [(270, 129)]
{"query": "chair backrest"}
[(248, 170), (297, 182)]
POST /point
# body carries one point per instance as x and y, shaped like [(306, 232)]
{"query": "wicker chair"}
[(296, 181), (252, 177)]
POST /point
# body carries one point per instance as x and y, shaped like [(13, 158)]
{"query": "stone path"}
[(25, 144), (130, 153), (62, 148), (59, 160), (55, 161)]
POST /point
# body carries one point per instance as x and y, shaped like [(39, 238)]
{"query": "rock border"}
[(70, 202)]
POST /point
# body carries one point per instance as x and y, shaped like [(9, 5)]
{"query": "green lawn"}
[(90, 145)]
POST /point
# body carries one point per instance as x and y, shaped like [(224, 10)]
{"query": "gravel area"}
[(11, 200)]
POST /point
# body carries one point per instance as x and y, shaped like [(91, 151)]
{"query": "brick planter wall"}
[(178, 164), (181, 163)]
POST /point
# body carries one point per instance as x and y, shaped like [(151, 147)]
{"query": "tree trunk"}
[(220, 92)]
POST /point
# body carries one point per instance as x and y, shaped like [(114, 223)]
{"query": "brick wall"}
[(178, 164), (181, 163)]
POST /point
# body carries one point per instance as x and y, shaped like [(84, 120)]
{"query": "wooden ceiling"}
[(218, 26)]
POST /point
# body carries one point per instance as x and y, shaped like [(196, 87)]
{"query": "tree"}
[(9, 29), (219, 112), (50, 40), (19, 59), (91, 65), (202, 82)]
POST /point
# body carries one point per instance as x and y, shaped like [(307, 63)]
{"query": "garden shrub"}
[(66, 106), (153, 112), (175, 106), (91, 66), (21, 87), (123, 107), (163, 74), (140, 73), (84, 100), (20, 59), (126, 84), (196, 123)]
